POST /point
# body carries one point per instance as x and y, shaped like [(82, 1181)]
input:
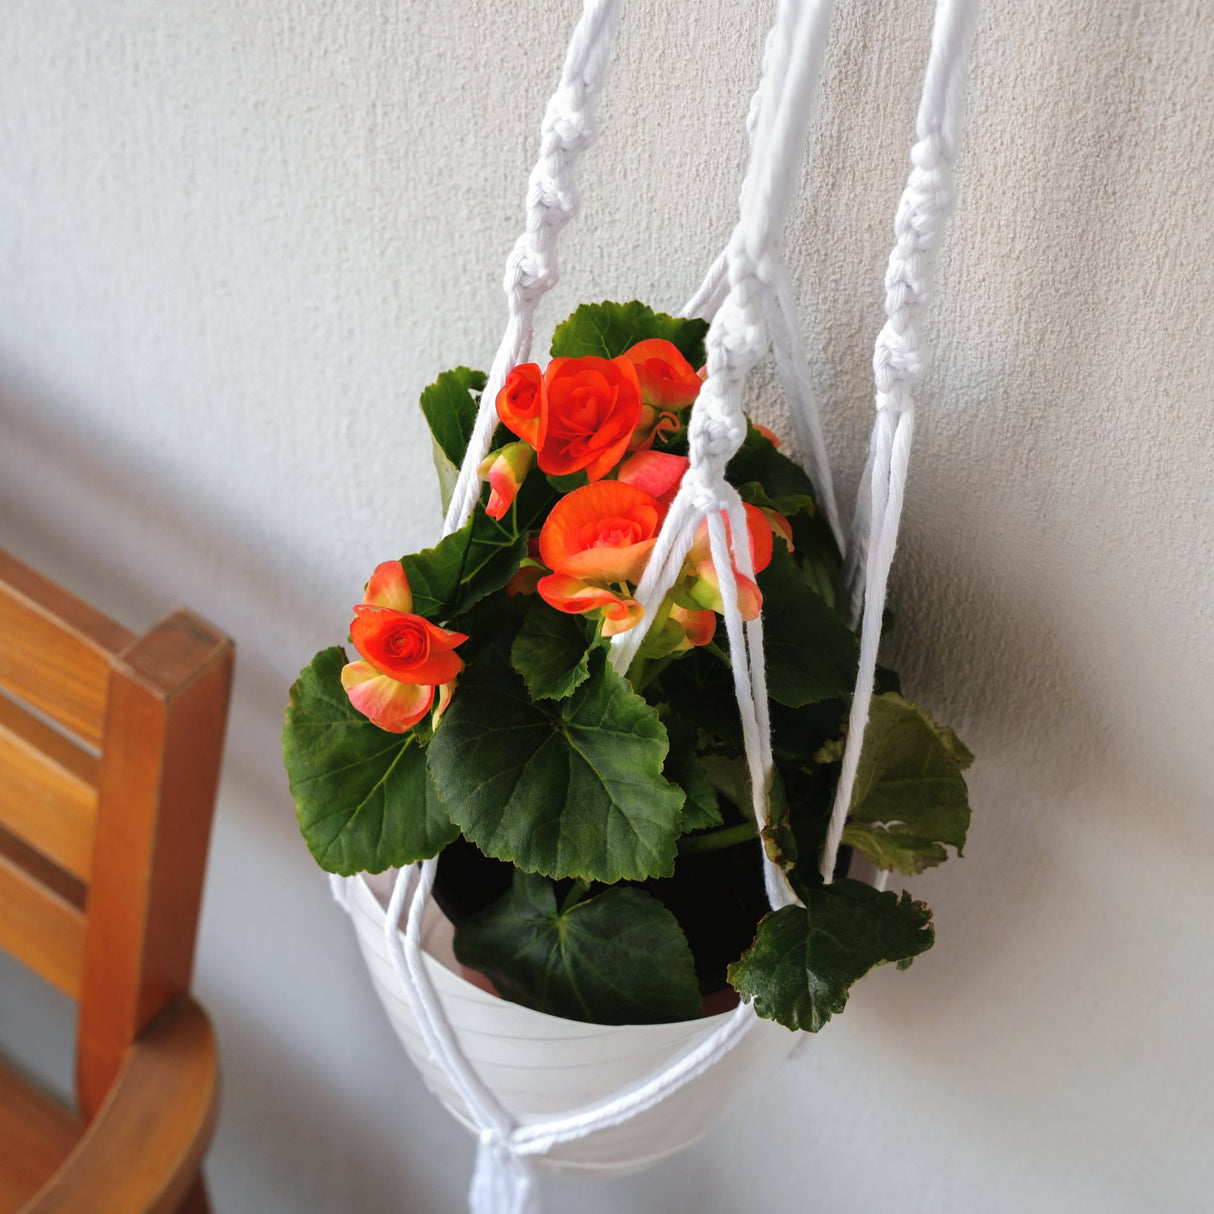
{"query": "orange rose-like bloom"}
[(590, 408), (404, 656), (667, 379), (601, 532), (406, 647), (520, 404)]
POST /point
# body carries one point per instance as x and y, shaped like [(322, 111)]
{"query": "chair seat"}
[(36, 1136)]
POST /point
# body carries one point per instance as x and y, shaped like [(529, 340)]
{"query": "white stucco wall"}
[(237, 239)]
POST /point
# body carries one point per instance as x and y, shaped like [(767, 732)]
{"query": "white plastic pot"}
[(540, 1065)]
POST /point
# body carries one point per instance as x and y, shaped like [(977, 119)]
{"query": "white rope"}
[(781, 315), (552, 200), (339, 888), (898, 365)]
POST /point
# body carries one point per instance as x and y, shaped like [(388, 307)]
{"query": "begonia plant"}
[(599, 824)]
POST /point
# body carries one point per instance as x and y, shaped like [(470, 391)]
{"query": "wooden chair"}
[(103, 841)]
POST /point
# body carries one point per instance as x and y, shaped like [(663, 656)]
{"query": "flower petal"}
[(623, 564), (385, 702), (389, 587), (706, 592), (520, 404), (658, 473), (620, 617)]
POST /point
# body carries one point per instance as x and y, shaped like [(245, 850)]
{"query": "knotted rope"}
[(899, 361)]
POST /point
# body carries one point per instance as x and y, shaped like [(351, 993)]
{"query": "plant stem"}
[(636, 673), (576, 893), (717, 840)]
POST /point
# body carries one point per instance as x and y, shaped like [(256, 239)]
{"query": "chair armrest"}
[(142, 1150)]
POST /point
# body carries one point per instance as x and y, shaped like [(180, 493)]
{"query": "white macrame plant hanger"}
[(747, 298)]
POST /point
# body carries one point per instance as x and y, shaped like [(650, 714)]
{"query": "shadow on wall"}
[(123, 535), (274, 954)]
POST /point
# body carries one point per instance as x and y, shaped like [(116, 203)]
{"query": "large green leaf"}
[(699, 686), (619, 957), (569, 788), (463, 567), (805, 959), (684, 767), (363, 796), (450, 409), (608, 329), (909, 798), (551, 652), (811, 653)]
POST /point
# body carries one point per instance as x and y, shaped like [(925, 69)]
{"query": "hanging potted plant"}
[(616, 713), (598, 851)]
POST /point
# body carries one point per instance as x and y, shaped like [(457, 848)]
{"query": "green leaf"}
[(450, 411), (909, 798), (783, 482), (617, 958), (479, 558), (805, 959), (363, 797), (699, 686), (811, 653), (551, 652), (684, 768), (569, 788), (608, 329), (450, 407)]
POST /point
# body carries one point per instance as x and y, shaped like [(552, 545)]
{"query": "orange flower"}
[(520, 404), (529, 572), (404, 656), (590, 408), (667, 379), (505, 471), (699, 627), (705, 589), (668, 384), (595, 540), (603, 532)]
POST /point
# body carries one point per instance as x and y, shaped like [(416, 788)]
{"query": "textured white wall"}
[(236, 239)]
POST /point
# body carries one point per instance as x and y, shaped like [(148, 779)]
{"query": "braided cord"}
[(552, 201), (899, 361)]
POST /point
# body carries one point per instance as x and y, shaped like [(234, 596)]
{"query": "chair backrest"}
[(110, 746)]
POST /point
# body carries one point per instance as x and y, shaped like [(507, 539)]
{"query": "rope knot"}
[(897, 358), (568, 120)]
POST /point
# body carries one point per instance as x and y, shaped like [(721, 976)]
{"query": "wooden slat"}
[(41, 915), (164, 737), (55, 650), (48, 790), (36, 1136), (142, 1150)]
